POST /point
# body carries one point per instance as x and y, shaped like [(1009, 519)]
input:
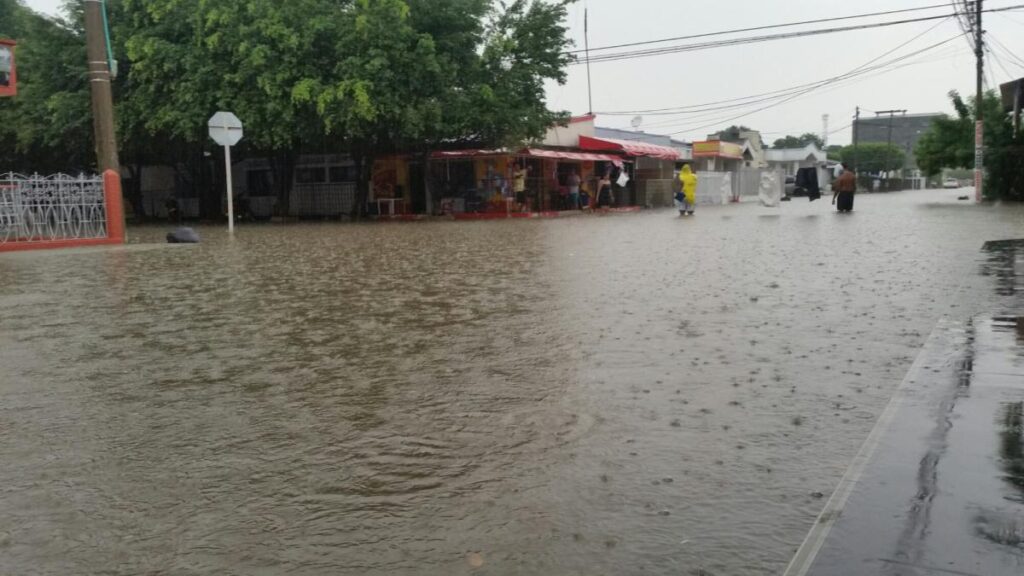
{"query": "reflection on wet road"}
[(617, 395)]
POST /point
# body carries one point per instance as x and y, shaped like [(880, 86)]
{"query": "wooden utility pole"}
[(979, 114), (856, 126), (586, 43), (99, 83)]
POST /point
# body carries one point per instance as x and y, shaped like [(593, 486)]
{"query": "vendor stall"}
[(485, 181)]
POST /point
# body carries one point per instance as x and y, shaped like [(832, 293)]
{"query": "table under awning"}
[(630, 147)]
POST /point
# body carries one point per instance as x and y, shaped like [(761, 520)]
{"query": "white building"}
[(792, 159)]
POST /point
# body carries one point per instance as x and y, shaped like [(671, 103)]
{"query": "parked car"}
[(790, 185), (950, 183)]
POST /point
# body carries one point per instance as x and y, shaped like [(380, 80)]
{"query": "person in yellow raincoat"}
[(686, 198)]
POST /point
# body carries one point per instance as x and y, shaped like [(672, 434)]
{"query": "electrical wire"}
[(696, 108), (758, 28), (964, 19), (824, 86), (995, 58), (871, 67), (757, 39), (824, 89), (837, 78), (1013, 58)]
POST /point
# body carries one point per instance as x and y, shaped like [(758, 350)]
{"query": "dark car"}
[(790, 185)]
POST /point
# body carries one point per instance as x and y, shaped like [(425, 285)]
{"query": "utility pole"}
[(979, 115), (888, 147), (586, 46), (856, 126), (99, 83), (824, 130)]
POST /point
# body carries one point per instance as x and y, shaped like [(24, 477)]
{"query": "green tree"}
[(526, 44), (799, 141), (949, 143), (730, 134), (835, 152), (874, 157), (47, 127), (412, 76), (190, 58), (383, 88)]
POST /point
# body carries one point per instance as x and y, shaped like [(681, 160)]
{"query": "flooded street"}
[(630, 394)]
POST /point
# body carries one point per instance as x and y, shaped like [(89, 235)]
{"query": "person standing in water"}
[(604, 191), (686, 198), (574, 190), (519, 186), (845, 188)]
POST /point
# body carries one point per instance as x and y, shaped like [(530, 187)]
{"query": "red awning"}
[(630, 147), (531, 152), (568, 155), (468, 153)]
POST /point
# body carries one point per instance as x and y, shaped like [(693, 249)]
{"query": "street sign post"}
[(226, 130)]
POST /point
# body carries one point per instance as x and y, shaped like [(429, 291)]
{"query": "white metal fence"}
[(45, 208)]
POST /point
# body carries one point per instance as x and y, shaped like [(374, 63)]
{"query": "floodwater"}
[(630, 394)]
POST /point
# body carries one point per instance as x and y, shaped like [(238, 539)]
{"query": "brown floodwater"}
[(630, 394)]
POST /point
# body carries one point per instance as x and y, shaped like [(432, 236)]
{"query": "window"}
[(314, 175)]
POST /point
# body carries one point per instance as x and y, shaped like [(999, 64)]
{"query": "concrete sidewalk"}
[(938, 487)]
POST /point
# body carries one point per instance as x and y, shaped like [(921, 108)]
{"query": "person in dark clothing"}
[(845, 188), (604, 191)]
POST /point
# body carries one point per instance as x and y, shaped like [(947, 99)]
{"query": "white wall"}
[(569, 135)]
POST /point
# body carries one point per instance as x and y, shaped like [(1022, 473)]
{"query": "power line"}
[(697, 108), (823, 87), (826, 84), (1014, 59), (866, 68), (884, 68), (756, 39), (835, 79), (757, 28), (998, 61)]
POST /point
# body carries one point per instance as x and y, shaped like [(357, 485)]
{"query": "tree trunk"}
[(135, 191), (282, 164), (428, 184), (364, 170)]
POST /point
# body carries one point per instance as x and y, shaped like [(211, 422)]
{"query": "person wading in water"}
[(845, 188)]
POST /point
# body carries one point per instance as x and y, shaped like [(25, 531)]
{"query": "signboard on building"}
[(717, 148), (8, 70)]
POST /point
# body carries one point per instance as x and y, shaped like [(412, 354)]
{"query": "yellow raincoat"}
[(689, 182)]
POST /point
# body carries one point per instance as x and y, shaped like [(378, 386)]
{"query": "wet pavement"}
[(938, 487), (630, 394)]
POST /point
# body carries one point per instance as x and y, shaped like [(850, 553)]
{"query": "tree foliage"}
[(368, 77), (949, 143), (730, 134), (874, 157), (47, 127), (799, 141)]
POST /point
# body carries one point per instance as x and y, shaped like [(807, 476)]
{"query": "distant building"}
[(906, 130), (684, 148), (792, 159)]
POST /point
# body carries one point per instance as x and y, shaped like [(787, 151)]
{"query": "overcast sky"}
[(698, 77)]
